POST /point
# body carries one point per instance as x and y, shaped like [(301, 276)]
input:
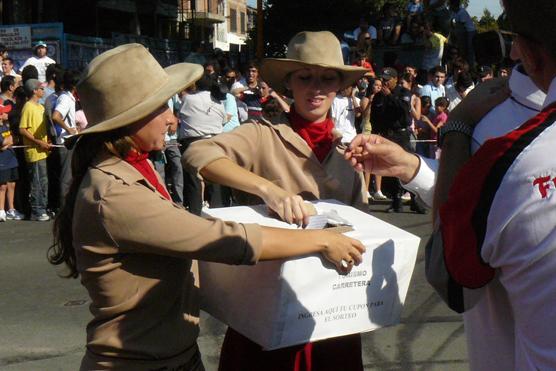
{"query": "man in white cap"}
[(40, 60)]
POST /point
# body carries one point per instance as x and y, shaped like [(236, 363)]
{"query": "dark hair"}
[(29, 72), (408, 77), (252, 64), (441, 102), (204, 84), (7, 81), (436, 69), (3, 48), (71, 78), (214, 63), (463, 81), (460, 64), (227, 70), (425, 100), (19, 94), (54, 70), (9, 59), (116, 142)]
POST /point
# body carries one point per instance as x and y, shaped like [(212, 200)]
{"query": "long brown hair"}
[(86, 150)]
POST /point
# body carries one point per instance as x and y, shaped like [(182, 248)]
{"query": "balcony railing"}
[(195, 16)]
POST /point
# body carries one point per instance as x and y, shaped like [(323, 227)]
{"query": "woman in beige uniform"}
[(132, 246), (285, 161)]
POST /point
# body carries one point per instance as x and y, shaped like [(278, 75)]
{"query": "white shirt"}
[(201, 115), (491, 340), (454, 97), (65, 105), (343, 114), (40, 64)]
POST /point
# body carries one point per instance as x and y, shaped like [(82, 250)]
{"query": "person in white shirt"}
[(8, 68), (63, 115), (506, 328), (201, 116), (40, 60), (345, 109)]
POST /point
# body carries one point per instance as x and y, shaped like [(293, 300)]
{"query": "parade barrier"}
[(287, 302)]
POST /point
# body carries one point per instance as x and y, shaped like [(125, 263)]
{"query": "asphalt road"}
[(43, 317)]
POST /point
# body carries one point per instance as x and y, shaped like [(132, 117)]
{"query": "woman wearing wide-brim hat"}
[(284, 161), (132, 246)]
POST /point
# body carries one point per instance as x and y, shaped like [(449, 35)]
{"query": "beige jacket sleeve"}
[(240, 145), (141, 221)]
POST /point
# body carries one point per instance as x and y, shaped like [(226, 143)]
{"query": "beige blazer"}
[(134, 253), (275, 152)]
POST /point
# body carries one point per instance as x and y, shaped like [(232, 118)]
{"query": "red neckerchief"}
[(318, 135), (139, 161)]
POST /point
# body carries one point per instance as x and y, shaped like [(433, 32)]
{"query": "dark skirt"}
[(8, 175), (336, 354)]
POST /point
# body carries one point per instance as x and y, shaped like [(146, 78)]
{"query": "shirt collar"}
[(110, 164), (525, 91)]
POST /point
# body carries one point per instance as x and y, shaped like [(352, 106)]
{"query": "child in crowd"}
[(441, 108), (423, 127), (33, 129), (8, 168)]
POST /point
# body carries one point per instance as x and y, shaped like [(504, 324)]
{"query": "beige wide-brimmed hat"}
[(307, 49), (126, 84)]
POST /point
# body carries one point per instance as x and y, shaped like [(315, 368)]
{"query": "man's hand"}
[(72, 131), (377, 155), (386, 90)]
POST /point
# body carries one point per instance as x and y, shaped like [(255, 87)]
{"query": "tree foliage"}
[(487, 22)]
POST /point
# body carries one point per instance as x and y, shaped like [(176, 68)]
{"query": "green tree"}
[(487, 22)]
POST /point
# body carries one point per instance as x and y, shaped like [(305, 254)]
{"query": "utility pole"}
[(260, 33)]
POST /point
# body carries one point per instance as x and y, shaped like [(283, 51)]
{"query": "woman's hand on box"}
[(342, 251), (291, 208)]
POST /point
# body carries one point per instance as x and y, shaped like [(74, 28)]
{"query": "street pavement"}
[(43, 316)]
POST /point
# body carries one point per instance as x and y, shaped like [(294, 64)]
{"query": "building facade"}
[(222, 24)]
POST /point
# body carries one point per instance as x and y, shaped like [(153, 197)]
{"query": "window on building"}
[(233, 20), (243, 24)]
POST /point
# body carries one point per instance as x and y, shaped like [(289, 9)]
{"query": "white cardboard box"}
[(287, 302)]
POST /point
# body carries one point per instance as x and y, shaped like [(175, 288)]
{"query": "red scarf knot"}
[(318, 135)]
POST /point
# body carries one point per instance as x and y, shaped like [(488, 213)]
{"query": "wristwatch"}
[(451, 126)]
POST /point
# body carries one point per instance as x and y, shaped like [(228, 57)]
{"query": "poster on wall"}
[(16, 37)]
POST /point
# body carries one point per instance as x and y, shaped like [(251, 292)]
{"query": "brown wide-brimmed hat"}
[(309, 49), (125, 84)]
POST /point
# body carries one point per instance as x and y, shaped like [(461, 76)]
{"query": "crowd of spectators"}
[(39, 107)]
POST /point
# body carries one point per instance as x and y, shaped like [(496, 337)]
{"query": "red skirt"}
[(336, 354)]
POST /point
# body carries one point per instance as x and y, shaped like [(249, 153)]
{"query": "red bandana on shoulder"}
[(139, 162), (318, 135)]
